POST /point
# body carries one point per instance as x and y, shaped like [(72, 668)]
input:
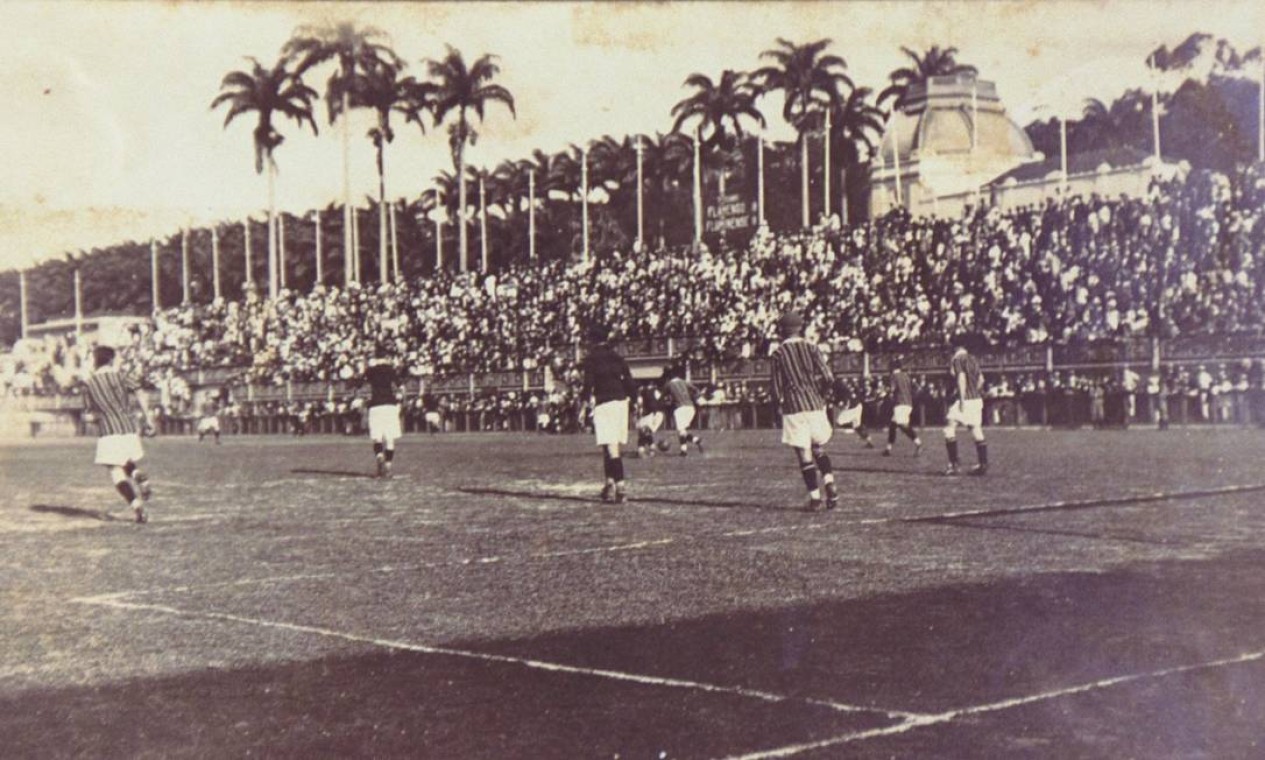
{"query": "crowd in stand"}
[(1186, 259)]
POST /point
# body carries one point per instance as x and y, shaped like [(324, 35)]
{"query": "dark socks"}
[(952, 447), (809, 471), (126, 491), (613, 467), (891, 434), (981, 450), (377, 448), (909, 432), (390, 454), (129, 468)]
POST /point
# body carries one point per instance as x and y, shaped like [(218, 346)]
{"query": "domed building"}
[(951, 138)]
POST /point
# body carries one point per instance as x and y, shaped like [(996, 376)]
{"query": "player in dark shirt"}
[(968, 410), (849, 407), (902, 391), (384, 410), (650, 421), (609, 382)]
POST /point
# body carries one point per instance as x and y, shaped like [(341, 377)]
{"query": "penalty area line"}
[(114, 601), (912, 721)]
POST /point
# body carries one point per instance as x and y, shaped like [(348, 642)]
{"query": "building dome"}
[(937, 120)]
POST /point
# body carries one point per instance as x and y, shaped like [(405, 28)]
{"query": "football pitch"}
[(1097, 595)]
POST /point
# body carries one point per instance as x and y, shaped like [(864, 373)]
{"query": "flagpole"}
[(250, 265), (760, 177), (281, 250), (395, 245), (78, 304), (439, 244), (184, 266), (583, 201), (641, 244), (355, 243), (153, 274), (825, 172), (320, 265), (22, 298), (698, 186), (483, 224), (215, 262), (531, 213)]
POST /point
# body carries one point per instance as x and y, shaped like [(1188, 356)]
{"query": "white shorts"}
[(610, 422), (849, 417), (209, 425), (432, 418), (384, 423), (118, 450), (651, 422), (901, 414), (806, 429), (683, 416), (968, 413)]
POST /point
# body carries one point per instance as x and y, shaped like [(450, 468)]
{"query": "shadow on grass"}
[(1055, 532), (552, 496), (332, 473), (72, 512)]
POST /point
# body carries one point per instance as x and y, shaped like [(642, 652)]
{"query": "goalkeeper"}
[(107, 394)]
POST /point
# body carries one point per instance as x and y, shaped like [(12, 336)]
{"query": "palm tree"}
[(935, 62), (381, 89), (356, 50), (718, 106), (264, 92), (1120, 124), (811, 83), (460, 89)]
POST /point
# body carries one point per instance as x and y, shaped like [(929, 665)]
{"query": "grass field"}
[(1098, 595)]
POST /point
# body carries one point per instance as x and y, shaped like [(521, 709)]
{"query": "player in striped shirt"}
[(967, 411), (800, 374), (902, 389), (107, 394)]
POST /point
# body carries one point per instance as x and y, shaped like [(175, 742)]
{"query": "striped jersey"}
[(108, 395), (963, 363), (799, 374), (902, 388)]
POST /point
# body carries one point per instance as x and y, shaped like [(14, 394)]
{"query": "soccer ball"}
[(664, 446)]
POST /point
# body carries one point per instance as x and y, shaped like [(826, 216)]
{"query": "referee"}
[(608, 381)]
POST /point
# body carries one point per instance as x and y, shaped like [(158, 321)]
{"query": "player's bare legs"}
[(824, 466), (122, 479), (613, 466), (951, 444)]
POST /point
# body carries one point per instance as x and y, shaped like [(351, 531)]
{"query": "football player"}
[(107, 394), (800, 373), (967, 410), (902, 390)]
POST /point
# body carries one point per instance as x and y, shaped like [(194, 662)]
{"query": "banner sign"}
[(731, 213)]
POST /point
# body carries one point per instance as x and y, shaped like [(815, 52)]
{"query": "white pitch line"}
[(553, 667), (913, 721)]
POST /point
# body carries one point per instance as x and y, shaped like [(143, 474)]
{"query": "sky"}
[(109, 135)]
